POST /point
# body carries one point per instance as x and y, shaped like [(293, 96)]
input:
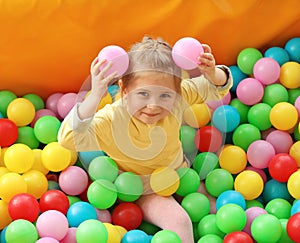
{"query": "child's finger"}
[(206, 48)]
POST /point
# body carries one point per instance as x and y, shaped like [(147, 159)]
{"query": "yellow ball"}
[(11, 184), (197, 115), (3, 170), (283, 116), (37, 183), (5, 218), (38, 164), (3, 150), (113, 233), (55, 157), (19, 158), (21, 111), (164, 181), (122, 231), (74, 157), (233, 159), (293, 185), (295, 152), (290, 75), (249, 184)]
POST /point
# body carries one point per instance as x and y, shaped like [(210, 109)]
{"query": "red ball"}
[(208, 139), (128, 215), (54, 200), (24, 206), (293, 227), (238, 237), (8, 132), (281, 166)]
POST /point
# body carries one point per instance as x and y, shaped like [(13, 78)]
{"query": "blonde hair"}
[(152, 55)]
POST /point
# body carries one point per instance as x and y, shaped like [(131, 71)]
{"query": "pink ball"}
[(51, 102), (70, 236), (47, 240), (266, 70), (73, 180), (259, 171), (118, 56), (250, 91), (251, 214), (214, 104), (40, 113), (186, 51), (66, 103), (281, 141), (259, 153), (104, 215), (52, 223), (297, 105)]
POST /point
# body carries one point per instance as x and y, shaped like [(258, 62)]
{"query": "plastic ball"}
[(54, 200), (47, 240), (66, 103), (148, 228), (283, 116), (21, 111), (292, 46), (279, 54), (293, 227), (70, 237), (6, 97), (102, 193), (46, 129), (52, 100), (266, 70), (226, 118), (166, 236), (128, 215), (55, 157), (103, 215), (247, 58), (233, 159), (250, 91), (231, 217), (275, 93), (5, 218), (37, 163), (103, 167), (259, 153), (8, 132), (197, 115), (249, 184), (11, 184), (37, 183), (21, 230), (86, 157), (251, 214), (266, 228), (295, 207), (237, 76), (129, 186), (218, 181), (214, 104), (73, 180), (293, 184), (280, 140), (230, 196), (297, 105), (119, 58), (279, 207), (241, 108), (293, 95), (185, 53), (208, 139), (275, 189), (294, 151), (238, 237), (92, 231), (26, 136), (135, 236), (204, 163), (207, 225), (210, 238), (164, 181), (187, 136), (244, 135), (79, 212), (23, 206), (189, 181), (40, 113), (289, 75), (36, 100), (284, 238), (261, 172), (53, 224), (258, 115), (113, 233)]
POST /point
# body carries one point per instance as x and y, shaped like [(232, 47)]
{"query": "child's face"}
[(151, 96)]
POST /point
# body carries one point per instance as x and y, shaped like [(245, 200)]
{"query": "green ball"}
[(103, 167), (46, 129), (204, 163), (6, 97), (102, 194), (293, 95), (279, 207), (245, 134), (73, 199), (36, 100), (259, 116), (284, 238), (296, 134), (275, 93), (149, 228), (247, 58), (218, 181), (208, 225), (26, 136), (129, 186), (165, 236), (241, 108), (231, 217), (189, 181), (91, 231), (210, 238), (191, 204), (187, 135), (266, 228), (21, 230), (253, 203)]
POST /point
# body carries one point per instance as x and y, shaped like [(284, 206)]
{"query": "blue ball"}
[(2, 237), (79, 212), (295, 207), (135, 236), (86, 157), (275, 189), (230, 196), (237, 76), (293, 48), (226, 118), (278, 54)]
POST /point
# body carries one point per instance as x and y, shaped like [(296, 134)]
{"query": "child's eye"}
[(143, 93), (164, 96)]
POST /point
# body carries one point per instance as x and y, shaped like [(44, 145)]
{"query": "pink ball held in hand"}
[(185, 53), (118, 56)]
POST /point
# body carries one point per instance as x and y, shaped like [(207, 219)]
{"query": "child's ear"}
[(121, 86)]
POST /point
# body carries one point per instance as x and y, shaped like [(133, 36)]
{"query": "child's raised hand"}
[(207, 63)]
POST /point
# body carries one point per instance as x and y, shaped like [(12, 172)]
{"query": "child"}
[(140, 131)]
